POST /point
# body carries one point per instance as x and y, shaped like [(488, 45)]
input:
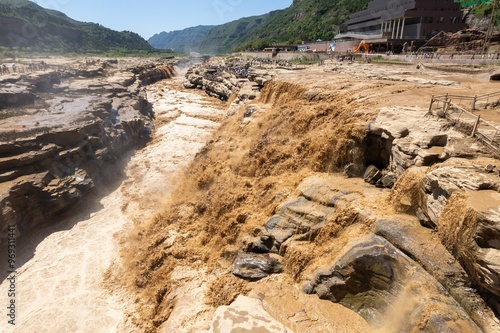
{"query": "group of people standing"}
[(15, 68)]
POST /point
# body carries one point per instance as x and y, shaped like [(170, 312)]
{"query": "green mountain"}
[(482, 9), (304, 20), (231, 36), (209, 39), (24, 24), (179, 40), (307, 20)]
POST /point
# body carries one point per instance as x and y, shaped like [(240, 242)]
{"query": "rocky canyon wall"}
[(65, 131)]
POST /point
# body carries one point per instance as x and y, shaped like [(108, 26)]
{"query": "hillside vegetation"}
[(482, 9), (27, 26), (304, 20), (179, 40), (308, 20)]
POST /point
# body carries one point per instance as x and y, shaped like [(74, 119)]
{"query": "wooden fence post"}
[(476, 124), (432, 102), (447, 105), (474, 103)]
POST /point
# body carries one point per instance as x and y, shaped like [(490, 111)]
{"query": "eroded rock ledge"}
[(449, 181), (62, 130), (434, 179), (409, 249), (223, 79), (372, 274)]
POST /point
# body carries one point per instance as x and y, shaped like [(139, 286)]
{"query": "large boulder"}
[(215, 80), (378, 281), (372, 175), (223, 80), (442, 182), (260, 77), (470, 228), (253, 266), (297, 217), (223, 90)]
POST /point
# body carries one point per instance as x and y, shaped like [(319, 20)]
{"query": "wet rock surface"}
[(215, 80), (441, 183), (256, 266), (372, 274), (440, 263), (470, 228), (357, 244), (76, 251), (298, 217), (223, 80), (62, 131)]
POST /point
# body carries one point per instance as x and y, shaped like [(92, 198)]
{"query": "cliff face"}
[(63, 129)]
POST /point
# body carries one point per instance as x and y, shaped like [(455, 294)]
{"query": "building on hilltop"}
[(401, 25)]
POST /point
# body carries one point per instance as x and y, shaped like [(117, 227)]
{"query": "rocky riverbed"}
[(64, 153), (335, 182), (311, 199)]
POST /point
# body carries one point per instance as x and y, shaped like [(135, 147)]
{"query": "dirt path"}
[(60, 276)]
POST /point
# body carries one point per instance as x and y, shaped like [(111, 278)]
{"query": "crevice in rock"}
[(377, 150)]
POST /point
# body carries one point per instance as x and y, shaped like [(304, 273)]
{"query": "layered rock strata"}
[(438, 168), (386, 266), (225, 80), (62, 131)]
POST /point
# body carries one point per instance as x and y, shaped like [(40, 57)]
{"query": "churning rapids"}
[(60, 286)]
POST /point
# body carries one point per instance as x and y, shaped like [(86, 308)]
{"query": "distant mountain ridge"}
[(24, 24), (179, 40), (304, 20)]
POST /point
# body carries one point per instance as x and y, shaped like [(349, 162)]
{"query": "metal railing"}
[(374, 35), (459, 110)]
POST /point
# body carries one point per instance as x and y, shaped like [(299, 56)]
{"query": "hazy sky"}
[(147, 17)]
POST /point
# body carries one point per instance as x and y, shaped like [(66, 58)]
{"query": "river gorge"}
[(230, 195)]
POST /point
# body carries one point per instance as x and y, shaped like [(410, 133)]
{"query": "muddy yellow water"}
[(60, 278)]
